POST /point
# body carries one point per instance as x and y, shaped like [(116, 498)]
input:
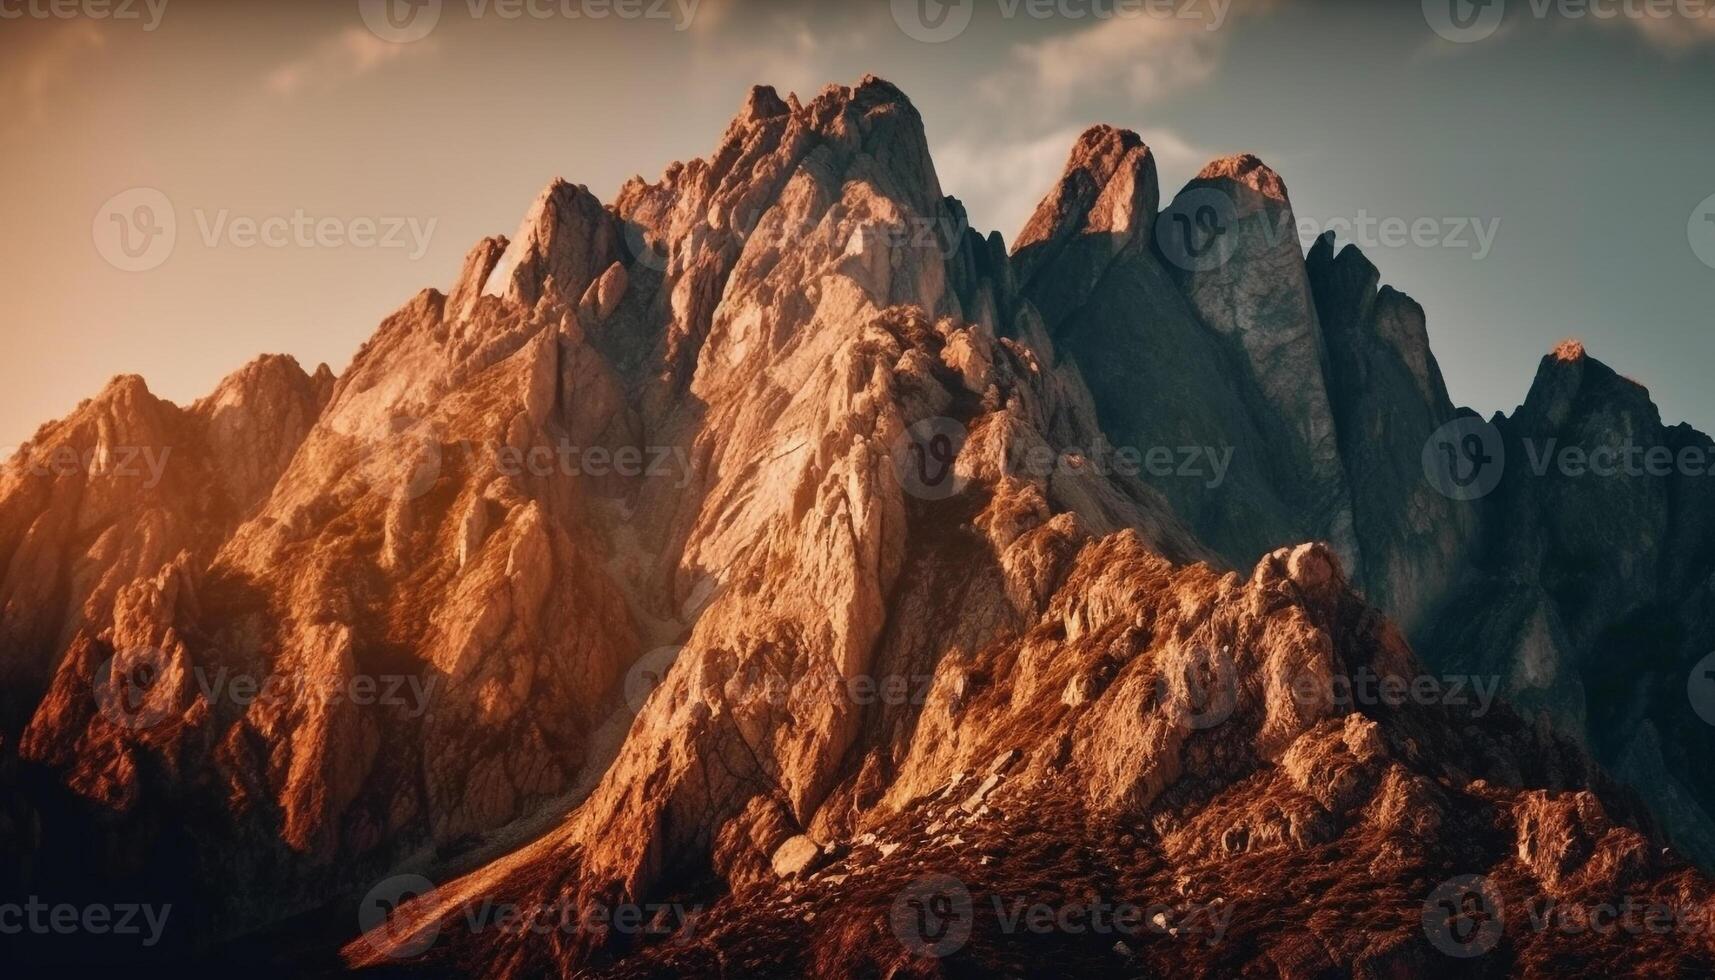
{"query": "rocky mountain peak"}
[(1108, 187), (762, 103), (1246, 170), (1570, 349), (565, 241), (1104, 203)]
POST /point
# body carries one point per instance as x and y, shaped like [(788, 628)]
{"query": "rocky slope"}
[(842, 502)]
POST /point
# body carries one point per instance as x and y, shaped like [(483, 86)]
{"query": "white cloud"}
[(1146, 58), (352, 53), (1001, 181)]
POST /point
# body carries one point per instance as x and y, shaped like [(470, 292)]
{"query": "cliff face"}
[(769, 539)]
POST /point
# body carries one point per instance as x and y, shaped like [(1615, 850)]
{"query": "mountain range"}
[(768, 574)]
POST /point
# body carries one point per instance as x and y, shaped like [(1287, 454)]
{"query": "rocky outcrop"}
[(1590, 595), (116, 490)]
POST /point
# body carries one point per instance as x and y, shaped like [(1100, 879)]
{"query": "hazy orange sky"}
[(318, 173)]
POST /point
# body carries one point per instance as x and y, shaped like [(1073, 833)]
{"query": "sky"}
[(189, 184)]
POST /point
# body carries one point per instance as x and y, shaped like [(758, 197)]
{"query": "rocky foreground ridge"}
[(780, 430)]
